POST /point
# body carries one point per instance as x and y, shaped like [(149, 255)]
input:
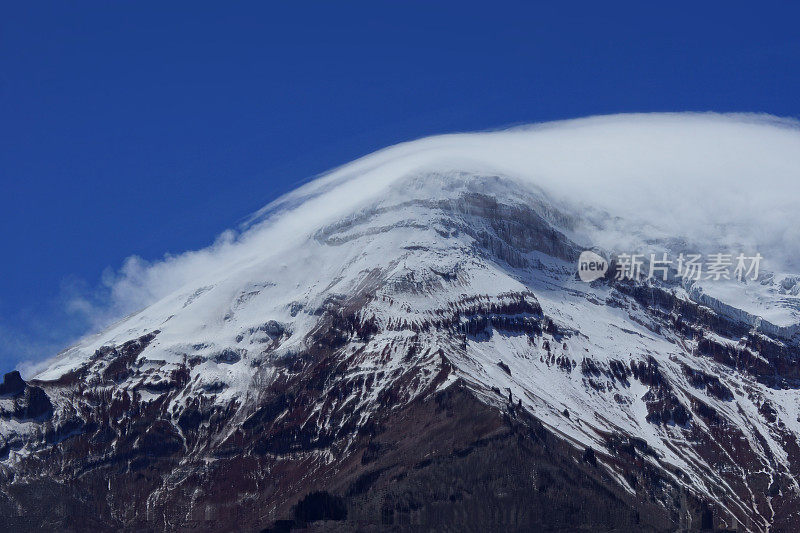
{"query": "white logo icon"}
[(591, 266)]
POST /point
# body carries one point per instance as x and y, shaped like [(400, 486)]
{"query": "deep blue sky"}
[(150, 127)]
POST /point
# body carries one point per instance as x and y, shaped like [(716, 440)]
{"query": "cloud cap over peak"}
[(714, 181)]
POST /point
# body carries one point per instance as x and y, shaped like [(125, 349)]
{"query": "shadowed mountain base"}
[(448, 463)]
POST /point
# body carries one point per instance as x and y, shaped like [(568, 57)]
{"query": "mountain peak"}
[(320, 343)]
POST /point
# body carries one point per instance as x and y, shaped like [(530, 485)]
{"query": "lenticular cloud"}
[(710, 180)]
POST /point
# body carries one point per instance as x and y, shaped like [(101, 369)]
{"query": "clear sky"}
[(149, 127)]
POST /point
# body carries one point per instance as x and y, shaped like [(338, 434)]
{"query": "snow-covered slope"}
[(450, 264)]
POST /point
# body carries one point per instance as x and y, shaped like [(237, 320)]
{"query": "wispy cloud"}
[(715, 180)]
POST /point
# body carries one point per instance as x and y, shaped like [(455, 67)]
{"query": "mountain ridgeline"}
[(430, 361)]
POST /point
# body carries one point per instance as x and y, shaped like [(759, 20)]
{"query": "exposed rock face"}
[(22, 402), (444, 370), (12, 384)]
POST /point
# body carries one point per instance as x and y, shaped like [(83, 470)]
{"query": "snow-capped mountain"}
[(405, 344)]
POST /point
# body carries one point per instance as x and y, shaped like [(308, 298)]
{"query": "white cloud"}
[(715, 180)]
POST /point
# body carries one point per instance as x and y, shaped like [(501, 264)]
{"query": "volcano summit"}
[(405, 344)]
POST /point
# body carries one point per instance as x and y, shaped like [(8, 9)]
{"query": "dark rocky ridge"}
[(448, 462)]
